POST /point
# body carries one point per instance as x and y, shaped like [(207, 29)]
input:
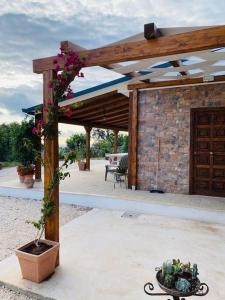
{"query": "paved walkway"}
[(107, 257)]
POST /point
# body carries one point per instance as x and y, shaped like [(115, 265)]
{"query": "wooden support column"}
[(88, 147), (132, 147), (115, 142), (51, 161), (38, 162)]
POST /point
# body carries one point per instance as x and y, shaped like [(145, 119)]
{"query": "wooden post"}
[(38, 162), (132, 147), (115, 140), (88, 148), (51, 161)]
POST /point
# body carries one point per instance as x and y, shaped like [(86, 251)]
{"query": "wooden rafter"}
[(177, 82), (101, 108), (93, 125), (166, 45)]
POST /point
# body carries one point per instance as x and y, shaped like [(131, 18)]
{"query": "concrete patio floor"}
[(106, 257), (92, 183)]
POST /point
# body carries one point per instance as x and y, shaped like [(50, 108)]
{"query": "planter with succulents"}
[(178, 279)]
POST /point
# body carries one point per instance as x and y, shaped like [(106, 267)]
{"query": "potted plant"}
[(178, 278), (80, 153), (20, 173), (28, 172), (38, 258)]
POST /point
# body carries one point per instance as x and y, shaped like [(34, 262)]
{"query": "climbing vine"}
[(45, 128)]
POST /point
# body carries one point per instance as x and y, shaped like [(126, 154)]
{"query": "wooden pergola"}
[(153, 55)]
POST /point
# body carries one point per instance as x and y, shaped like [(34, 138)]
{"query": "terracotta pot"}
[(29, 181), (21, 177), (36, 268), (82, 165)]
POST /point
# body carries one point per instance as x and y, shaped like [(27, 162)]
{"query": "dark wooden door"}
[(207, 160)]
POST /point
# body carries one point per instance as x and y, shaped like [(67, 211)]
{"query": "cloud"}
[(33, 29)]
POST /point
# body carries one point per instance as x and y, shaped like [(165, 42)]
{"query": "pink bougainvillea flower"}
[(62, 50), (68, 113), (50, 85), (55, 61), (45, 109), (34, 130), (49, 102), (69, 96), (57, 68), (60, 55)]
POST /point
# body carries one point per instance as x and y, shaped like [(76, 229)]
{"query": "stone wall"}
[(165, 113)]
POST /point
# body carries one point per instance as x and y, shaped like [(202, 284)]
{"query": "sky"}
[(33, 29)]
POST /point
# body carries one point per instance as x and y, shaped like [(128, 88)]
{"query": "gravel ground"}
[(14, 231)]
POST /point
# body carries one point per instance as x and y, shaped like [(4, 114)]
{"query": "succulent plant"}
[(167, 268), (182, 285), (169, 280), (194, 271)]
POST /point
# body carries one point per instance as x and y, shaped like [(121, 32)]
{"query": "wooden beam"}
[(92, 124), (51, 162), (95, 102), (105, 114), (132, 147), (151, 31), (88, 147), (177, 82), (106, 107), (163, 46), (121, 115), (116, 119), (69, 46), (115, 142)]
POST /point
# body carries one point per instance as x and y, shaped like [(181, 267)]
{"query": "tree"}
[(4, 142), (12, 137), (19, 150), (77, 143), (104, 141)]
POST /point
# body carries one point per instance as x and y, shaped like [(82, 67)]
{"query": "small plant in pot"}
[(80, 155), (38, 258), (28, 172), (20, 173)]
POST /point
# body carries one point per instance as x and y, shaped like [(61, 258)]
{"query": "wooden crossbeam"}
[(177, 82), (91, 124), (115, 121), (151, 31), (166, 45), (69, 46), (103, 110), (123, 116), (97, 105), (106, 116)]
